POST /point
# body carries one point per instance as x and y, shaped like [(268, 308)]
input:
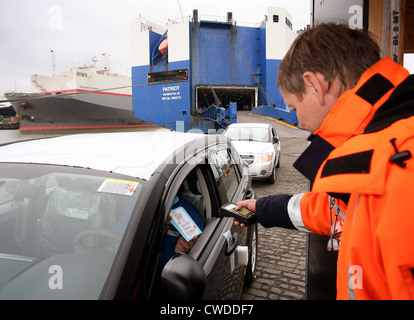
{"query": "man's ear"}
[(317, 85)]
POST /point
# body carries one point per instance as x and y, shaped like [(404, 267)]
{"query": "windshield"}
[(60, 229), (248, 134)]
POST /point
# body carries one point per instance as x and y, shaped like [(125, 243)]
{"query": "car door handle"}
[(249, 194), (232, 245)]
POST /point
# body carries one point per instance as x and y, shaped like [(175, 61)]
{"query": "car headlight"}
[(266, 157)]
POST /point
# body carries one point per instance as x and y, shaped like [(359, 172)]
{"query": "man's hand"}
[(183, 246), (249, 204)]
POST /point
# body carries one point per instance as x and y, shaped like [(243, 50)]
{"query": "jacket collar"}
[(399, 106), (356, 107), (362, 164)]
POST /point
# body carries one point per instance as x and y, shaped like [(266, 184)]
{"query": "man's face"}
[(309, 110)]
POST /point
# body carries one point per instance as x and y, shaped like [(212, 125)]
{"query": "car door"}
[(220, 179), (224, 272)]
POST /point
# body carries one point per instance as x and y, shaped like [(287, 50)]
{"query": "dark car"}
[(89, 217)]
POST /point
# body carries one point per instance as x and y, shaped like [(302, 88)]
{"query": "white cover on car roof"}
[(135, 154)]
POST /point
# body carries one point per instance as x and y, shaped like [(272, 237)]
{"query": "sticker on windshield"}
[(122, 187)]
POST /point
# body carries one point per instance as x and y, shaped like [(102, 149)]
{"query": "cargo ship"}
[(86, 96)]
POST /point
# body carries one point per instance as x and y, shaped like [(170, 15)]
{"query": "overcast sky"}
[(77, 30)]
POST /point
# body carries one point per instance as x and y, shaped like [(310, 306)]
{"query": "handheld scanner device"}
[(243, 215)]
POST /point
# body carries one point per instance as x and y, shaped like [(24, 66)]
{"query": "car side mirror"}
[(275, 140), (183, 278)]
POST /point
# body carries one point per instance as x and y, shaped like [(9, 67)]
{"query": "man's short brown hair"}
[(333, 50)]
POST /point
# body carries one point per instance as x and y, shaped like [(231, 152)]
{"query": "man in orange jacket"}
[(360, 111)]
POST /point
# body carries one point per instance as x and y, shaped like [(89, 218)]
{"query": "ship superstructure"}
[(195, 73)]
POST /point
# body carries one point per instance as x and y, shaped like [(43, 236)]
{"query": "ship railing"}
[(220, 115)]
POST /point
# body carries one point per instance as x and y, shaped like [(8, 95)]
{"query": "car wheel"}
[(272, 177), (253, 238), (278, 162)]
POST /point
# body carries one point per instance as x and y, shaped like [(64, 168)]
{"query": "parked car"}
[(86, 217), (259, 146), (9, 119)]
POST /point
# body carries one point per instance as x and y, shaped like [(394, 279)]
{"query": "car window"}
[(188, 213), (226, 174), (67, 218), (237, 161), (197, 197)]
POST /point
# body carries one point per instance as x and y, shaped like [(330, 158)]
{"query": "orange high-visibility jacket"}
[(348, 117), (376, 257), (311, 211), (377, 169)]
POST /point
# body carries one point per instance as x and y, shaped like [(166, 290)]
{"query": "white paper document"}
[(182, 221)]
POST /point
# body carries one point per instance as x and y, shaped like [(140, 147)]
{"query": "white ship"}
[(83, 96)]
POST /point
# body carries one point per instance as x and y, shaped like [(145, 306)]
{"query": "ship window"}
[(168, 76), (275, 18)]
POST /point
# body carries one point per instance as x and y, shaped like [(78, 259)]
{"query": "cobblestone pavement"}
[(281, 261)]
